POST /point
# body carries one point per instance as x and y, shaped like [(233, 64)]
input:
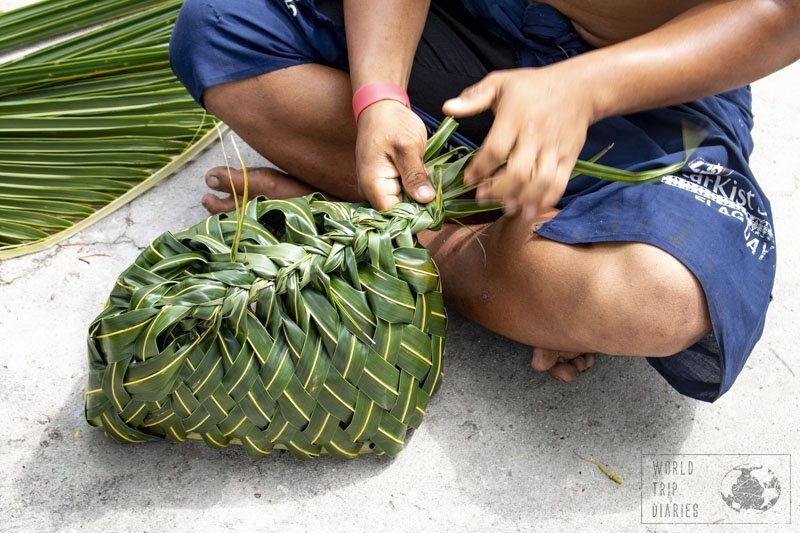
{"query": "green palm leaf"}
[(90, 122)]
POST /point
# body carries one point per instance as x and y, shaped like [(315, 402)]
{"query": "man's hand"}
[(389, 149), (542, 114), (541, 118)]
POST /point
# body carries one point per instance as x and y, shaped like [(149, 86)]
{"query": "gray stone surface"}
[(495, 450)]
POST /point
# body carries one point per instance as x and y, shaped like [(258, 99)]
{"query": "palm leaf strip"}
[(91, 121)]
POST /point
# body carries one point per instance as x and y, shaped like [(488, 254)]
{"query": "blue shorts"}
[(712, 216)]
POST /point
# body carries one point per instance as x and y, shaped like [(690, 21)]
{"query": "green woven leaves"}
[(297, 324), (90, 121), (325, 334)]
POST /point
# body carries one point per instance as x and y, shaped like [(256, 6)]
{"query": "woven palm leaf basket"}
[(302, 324)]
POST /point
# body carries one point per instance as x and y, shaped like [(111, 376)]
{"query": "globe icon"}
[(750, 488)]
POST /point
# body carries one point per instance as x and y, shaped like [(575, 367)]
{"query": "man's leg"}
[(614, 298), (300, 119)]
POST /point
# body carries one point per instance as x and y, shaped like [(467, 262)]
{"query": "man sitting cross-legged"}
[(679, 270)]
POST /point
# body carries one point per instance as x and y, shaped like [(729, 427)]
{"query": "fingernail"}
[(530, 213), (454, 102), (426, 191), (212, 181)]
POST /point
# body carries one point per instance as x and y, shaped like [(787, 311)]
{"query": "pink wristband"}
[(377, 91)]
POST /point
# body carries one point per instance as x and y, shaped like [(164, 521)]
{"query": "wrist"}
[(593, 86), (378, 91), (606, 76)]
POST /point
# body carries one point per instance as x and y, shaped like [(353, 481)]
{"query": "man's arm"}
[(382, 38), (717, 46), (541, 114)]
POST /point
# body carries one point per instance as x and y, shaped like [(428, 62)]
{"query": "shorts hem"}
[(242, 74)]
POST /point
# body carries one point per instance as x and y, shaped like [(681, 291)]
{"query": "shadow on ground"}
[(508, 432), (68, 476), (511, 432)]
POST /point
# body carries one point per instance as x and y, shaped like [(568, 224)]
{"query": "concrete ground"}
[(494, 452)]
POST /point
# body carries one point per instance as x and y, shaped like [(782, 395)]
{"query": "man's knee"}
[(648, 303)]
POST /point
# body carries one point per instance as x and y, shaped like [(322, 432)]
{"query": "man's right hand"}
[(389, 151)]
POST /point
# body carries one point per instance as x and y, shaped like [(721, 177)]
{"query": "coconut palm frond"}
[(90, 121)]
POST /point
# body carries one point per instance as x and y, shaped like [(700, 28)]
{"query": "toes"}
[(219, 179), (543, 360), (263, 181), (579, 362), (214, 204), (565, 372), (563, 366)]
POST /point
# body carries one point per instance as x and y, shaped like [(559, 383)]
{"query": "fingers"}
[(508, 182), (550, 180), (389, 150), (563, 170), (408, 161), (476, 98), (492, 154), (533, 180), (381, 189), (542, 187), (381, 186)]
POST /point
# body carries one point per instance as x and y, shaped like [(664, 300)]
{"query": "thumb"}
[(415, 178), (474, 99), (377, 182)]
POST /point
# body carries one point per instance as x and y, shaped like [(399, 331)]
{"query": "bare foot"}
[(563, 366), (269, 182)]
